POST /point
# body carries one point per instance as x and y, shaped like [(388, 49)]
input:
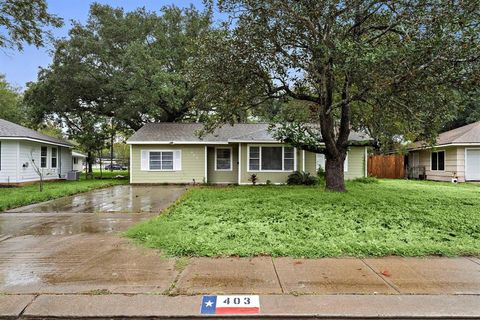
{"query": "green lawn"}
[(392, 217), (21, 196)]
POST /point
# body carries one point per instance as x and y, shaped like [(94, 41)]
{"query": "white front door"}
[(472, 164)]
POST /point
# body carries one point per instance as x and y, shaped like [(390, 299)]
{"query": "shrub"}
[(301, 178), (366, 180), (253, 178), (320, 172)]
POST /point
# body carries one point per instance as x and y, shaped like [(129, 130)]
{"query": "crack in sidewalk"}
[(390, 284), (28, 305), (278, 277)]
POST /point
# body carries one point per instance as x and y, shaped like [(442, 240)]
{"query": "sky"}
[(21, 67)]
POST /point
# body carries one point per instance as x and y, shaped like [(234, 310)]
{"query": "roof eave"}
[(67, 145), (449, 144), (176, 142)]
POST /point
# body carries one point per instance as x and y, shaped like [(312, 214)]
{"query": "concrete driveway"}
[(73, 244)]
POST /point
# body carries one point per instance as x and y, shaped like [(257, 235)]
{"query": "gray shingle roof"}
[(187, 132), (11, 130), (469, 134)]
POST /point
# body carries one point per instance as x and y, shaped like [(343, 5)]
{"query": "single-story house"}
[(455, 155), (78, 161), (20, 145), (173, 153)]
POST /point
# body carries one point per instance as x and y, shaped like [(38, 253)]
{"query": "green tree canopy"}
[(128, 66), (351, 62), (24, 21), (10, 102)]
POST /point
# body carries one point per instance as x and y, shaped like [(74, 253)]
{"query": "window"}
[(161, 160), (223, 158), (43, 157), (438, 161), (254, 159), (75, 160), (289, 158), (267, 158), (54, 157)]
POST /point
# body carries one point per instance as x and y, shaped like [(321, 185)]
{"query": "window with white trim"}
[(271, 158), (438, 161), (254, 159), (223, 158), (161, 160), (54, 157), (43, 157)]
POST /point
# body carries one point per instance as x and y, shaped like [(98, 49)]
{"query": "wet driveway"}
[(132, 199), (73, 244)]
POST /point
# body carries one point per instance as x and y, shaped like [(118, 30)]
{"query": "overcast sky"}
[(21, 67)]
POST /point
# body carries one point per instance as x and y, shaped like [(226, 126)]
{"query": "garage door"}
[(472, 172)]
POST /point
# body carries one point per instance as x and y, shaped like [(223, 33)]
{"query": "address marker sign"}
[(230, 304)]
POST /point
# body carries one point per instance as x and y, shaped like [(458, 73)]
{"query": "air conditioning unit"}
[(73, 175)]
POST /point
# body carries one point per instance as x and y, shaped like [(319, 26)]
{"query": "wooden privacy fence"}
[(391, 166)]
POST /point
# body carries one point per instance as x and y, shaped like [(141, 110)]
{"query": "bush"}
[(366, 180), (320, 172), (253, 178), (302, 178)]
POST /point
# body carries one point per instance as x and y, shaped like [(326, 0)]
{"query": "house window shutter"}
[(145, 164), (177, 160)]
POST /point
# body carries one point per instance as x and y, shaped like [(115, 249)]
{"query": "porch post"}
[(206, 164), (239, 162)]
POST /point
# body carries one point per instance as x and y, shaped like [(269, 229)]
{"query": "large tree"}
[(350, 61), (10, 102), (25, 21), (128, 66)]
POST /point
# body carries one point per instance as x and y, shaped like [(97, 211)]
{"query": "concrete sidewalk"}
[(349, 288)]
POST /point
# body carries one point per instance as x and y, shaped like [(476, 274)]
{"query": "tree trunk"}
[(334, 174), (89, 162)]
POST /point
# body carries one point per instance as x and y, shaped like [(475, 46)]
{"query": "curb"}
[(271, 306)]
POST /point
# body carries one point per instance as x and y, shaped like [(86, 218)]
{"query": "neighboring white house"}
[(78, 161), (20, 146)]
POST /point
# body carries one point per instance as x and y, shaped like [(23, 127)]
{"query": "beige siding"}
[(193, 165), (215, 176), (355, 163), (461, 164), (454, 164), (310, 162)]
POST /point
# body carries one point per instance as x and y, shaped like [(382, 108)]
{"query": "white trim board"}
[(37, 140)]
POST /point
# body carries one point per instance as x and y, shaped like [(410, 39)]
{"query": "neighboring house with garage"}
[(19, 146), (455, 154), (173, 153)]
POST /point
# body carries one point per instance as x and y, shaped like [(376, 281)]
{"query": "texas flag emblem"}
[(230, 305)]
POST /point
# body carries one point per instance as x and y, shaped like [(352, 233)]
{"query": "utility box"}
[(73, 175)]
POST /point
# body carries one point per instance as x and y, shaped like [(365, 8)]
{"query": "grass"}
[(25, 195), (392, 217)]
